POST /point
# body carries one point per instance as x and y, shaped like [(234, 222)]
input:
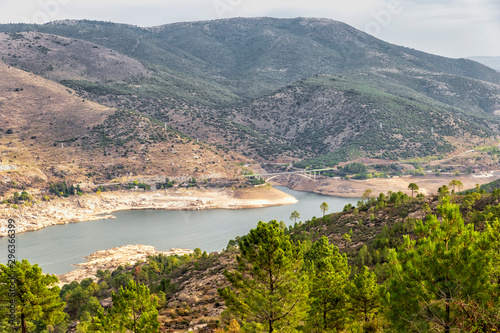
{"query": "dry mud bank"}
[(355, 188), (93, 207)]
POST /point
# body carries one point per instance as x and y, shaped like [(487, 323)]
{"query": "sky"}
[(452, 28)]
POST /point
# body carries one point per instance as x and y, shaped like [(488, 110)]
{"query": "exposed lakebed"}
[(56, 249)]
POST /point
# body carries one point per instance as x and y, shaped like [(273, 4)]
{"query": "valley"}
[(193, 123)]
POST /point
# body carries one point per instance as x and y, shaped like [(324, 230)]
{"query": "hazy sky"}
[(453, 28)]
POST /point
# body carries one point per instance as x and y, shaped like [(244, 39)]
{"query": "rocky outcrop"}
[(112, 258)]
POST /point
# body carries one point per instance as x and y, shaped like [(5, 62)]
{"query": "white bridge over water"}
[(309, 174)]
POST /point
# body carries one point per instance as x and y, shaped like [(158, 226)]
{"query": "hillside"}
[(492, 62), (336, 118), (264, 54), (253, 56), (236, 82), (325, 114), (187, 285), (49, 134), (59, 58)]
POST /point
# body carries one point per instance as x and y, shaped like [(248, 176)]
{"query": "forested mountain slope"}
[(216, 81)]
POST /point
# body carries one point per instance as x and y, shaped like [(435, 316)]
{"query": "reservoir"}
[(56, 249)]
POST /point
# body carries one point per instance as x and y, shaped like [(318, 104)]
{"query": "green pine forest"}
[(392, 263)]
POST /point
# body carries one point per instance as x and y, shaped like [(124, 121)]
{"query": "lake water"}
[(57, 248)]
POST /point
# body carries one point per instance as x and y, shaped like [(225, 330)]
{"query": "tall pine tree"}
[(35, 294), (329, 274), (134, 310), (363, 294), (269, 288), (440, 277)]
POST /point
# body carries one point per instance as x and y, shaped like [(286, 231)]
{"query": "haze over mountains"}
[(493, 62), (305, 89)]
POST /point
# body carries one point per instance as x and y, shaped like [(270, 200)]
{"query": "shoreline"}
[(97, 207), (92, 207), (352, 188), (111, 259)]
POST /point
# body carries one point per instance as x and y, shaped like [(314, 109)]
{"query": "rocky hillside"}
[(59, 58), (336, 118), (48, 133), (270, 88)]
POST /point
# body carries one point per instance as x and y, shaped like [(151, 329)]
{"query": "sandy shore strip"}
[(354, 188), (95, 207), (112, 258)]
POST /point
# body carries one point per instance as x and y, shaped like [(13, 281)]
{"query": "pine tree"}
[(269, 289), (438, 278), (329, 273), (102, 323), (363, 294), (456, 183), (324, 208), (294, 216), (413, 187), (36, 296), (366, 194), (134, 310), (443, 191)]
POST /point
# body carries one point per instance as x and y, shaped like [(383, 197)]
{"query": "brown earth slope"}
[(60, 58), (47, 133)]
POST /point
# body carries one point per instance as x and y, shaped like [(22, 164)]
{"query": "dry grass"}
[(59, 58), (41, 113)]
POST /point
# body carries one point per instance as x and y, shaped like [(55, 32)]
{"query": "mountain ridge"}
[(203, 76)]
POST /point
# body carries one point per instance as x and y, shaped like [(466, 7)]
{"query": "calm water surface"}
[(57, 248)]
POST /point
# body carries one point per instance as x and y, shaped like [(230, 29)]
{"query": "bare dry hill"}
[(48, 133), (60, 58), (35, 107)]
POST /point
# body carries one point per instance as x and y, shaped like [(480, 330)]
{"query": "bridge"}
[(309, 174)]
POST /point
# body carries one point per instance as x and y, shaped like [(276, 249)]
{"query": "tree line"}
[(444, 279), (441, 276)]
